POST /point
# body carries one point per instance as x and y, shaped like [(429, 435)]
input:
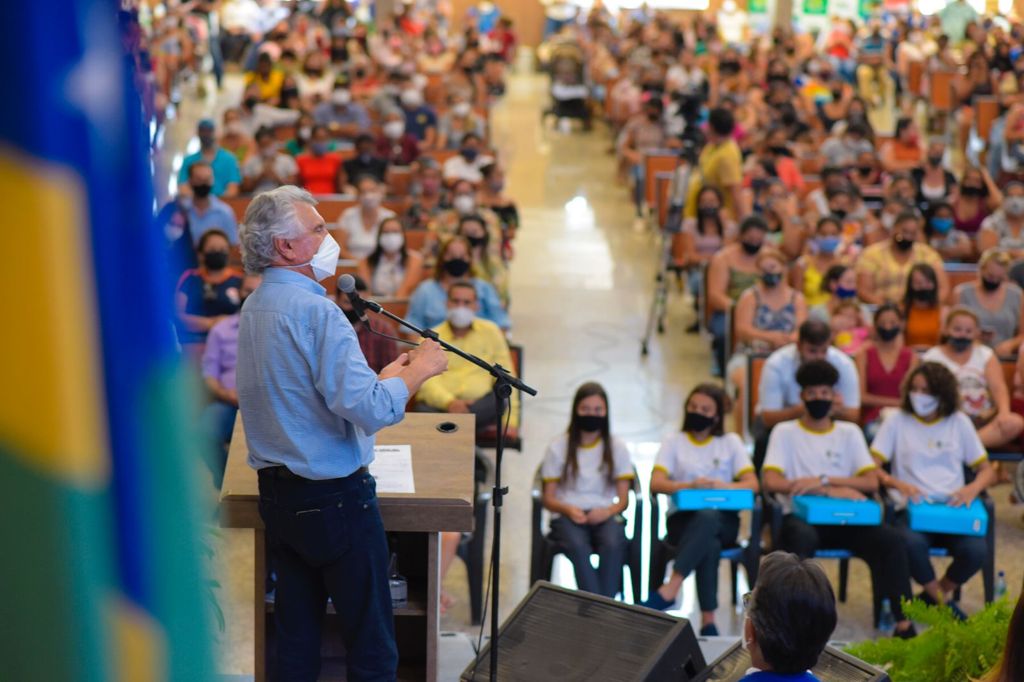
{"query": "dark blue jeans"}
[(578, 542), (326, 539), (699, 537), (968, 552)]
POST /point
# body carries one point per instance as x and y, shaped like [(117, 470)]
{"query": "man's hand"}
[(576, 515), (843, 492), (908, 490), (230, 396), (598, 516), (430, 357), (803, 486), (458, 406), (394, 368), (708, 483)]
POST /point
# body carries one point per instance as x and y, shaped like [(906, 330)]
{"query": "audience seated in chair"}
[(928, 442), (393, 269), (209, 293), (360, 224), (883, 364), (702, 455), (817, 455), (428, 306), (379, 350), (586, 475)]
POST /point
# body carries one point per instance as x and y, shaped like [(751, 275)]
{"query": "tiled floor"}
[(582, 282)]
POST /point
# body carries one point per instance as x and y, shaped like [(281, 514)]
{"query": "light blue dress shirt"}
[(307, 397), (428, 305), (225, 169), (778, 387)]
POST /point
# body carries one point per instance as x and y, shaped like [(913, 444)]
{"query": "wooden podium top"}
[(442, 469)]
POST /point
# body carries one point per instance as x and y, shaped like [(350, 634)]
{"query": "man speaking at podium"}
[(310, 406)]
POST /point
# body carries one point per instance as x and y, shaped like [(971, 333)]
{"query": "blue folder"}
[(819, 510), (730, 500), (935, 516)]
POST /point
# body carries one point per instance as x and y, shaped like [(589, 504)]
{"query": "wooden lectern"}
[(443, 501)]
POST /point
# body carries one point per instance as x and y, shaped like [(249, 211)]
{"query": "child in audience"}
[(928, 441), (702, 455), (587, 474), (817, 455), (840, 285), (849, 332)]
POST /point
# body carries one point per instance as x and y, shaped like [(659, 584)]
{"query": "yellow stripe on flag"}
[(52, 402), (140, 644)]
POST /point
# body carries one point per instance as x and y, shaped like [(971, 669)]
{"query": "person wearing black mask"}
[(428, 306), (922, 308), (997, 301), (587, 473), (208, 293), (379, 350), (643, 132), (817, 455), (226, 173), (882, 364), (883, 267), (193, 213), (701, 456)]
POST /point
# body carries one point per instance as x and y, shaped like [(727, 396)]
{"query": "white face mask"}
[(371, 200), (392, 242), (341, 97), (924, 405), (325, 260), (464, 204), (461, 109), (461, 317), (888, 220), (412, 98), (394, 129)]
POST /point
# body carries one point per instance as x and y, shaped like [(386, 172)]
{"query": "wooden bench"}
[(755, 365), (330, 206), (663, 189), (986, 110), (663, 160), (959, 273), (941, 91)]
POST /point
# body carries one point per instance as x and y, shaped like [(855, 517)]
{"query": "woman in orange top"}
[(904, 152), (921, 307)]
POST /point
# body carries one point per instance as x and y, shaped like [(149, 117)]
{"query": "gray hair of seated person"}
[(270, 215)]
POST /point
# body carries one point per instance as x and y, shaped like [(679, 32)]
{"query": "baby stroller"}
[(570, 94)]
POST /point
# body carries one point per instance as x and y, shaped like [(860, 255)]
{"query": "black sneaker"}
[(709, 630)]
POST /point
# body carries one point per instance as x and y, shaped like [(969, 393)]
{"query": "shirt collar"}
[(287, 276)]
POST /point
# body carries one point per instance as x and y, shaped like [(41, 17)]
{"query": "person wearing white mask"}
[(788, 619), (393, 269), (420, 119), (359, 224), (467, 163), (928, 442), (345, 117), (465, 388), (394, 143), (311, 406), (456, 122), (1004, 229)]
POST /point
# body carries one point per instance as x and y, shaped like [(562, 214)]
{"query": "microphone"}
[(347, 285)]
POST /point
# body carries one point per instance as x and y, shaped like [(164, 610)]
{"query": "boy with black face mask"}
[(816, 455)]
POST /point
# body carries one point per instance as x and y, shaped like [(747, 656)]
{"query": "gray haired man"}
[(310, 406)]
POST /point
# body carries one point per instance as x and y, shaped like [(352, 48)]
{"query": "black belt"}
[(283, 472)]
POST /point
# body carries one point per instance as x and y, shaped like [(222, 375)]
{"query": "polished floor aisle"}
[(582, 282)]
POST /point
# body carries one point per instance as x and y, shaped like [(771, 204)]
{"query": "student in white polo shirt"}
[(587, 474), (817, 455), (702, 455), (928, 442)]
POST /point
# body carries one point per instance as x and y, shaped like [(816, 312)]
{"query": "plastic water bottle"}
[(399, 586), (887, 621), (1001, 585)]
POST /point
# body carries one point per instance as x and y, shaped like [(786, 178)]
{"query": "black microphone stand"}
[(504, 382)]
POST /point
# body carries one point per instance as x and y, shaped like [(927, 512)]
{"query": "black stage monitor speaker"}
[(833, 666), (560, 634)]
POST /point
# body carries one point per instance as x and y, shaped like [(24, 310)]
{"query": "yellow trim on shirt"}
[(879, 455), (800, 423), (773, 467), (976, 463), (550, 480), (865, 469), (659, 466), (699, 443), (624, 477), (591, 446), (741, 472), (928, 422)]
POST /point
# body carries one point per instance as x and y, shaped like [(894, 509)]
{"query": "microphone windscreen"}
[(346, 283)]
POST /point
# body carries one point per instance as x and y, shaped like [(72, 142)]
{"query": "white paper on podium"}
[(392, 467)]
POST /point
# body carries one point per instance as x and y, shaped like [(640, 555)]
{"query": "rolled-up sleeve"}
[(349, 387)]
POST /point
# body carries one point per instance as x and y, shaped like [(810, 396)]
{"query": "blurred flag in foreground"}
[(100, 576)]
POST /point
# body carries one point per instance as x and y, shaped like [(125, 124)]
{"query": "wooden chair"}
[(345, 267), (395, 306), (663, 186), (986, 110), (440, 155), (238, 205), (543, 549), (915, 78), (959, 273), (941, 91), (664, 160), (399, 180), (285, 132), (755, 365), (416, 239)]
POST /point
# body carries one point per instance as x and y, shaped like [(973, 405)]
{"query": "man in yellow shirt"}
[(720, 163), (267, 78), (883, 267), (465, 388)]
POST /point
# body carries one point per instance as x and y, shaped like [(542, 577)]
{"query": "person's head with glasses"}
[(789, 616)]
